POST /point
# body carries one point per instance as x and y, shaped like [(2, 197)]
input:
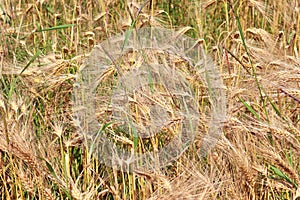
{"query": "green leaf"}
[(129, 31), (31, 60), (52, 171), (12, 88), (50, 168), (260, 88), (135, 136), (282, 175), (249, 107), (95, 140), (56, 27)]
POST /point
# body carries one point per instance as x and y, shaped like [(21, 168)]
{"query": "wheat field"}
[(255, 45)]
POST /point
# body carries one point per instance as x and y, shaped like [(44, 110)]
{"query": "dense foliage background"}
[(255, 43)]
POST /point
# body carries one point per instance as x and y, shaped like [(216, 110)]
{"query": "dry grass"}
[(44, 156)]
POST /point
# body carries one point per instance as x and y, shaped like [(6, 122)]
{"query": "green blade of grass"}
[(12, 88), (150, 78), (52, 171), (129, 31), (37, 54), (56, 27), (249, 107), (127, 34), (15, 80), (96, 139), (248, 54), (50, 168), (283, 176), (135, 136)]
